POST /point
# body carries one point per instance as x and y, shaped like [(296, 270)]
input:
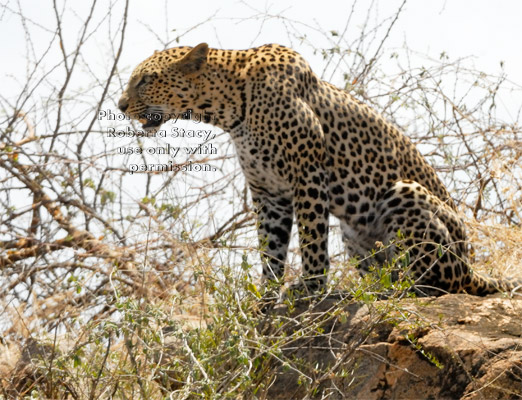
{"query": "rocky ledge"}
[(451, 347)]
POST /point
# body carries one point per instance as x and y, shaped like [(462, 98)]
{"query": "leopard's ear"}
[(194, 60)]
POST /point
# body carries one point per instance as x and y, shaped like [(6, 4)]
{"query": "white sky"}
[(489, 31)]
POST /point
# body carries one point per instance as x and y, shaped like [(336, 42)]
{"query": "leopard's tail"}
[(482, 285)]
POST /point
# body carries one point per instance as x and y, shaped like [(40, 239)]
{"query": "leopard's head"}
[(164, 85)]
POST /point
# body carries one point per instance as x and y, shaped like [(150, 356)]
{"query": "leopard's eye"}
[(145, 79)]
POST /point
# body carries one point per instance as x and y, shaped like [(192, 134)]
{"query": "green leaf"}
[(253, 289), (77, 361)]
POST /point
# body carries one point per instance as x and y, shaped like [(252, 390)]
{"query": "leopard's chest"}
[(262, 164)]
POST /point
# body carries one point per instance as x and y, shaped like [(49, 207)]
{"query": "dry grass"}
[(498, 249)]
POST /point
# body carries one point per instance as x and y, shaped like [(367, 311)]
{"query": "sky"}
[(490, 33)]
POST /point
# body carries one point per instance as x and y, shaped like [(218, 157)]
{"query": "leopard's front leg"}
[(311, 203), (274, 229), (311, 199)]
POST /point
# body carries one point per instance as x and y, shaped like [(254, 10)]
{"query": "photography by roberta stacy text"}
[(162, 155)]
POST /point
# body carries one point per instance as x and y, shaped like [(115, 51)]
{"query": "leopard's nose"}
[(123, 105)]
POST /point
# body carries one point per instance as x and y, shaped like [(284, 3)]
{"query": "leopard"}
[(309, 150)]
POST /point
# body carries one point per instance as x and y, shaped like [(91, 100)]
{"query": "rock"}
[(451, 347)]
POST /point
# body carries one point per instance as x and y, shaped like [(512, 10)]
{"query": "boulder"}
[(451, 347)]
